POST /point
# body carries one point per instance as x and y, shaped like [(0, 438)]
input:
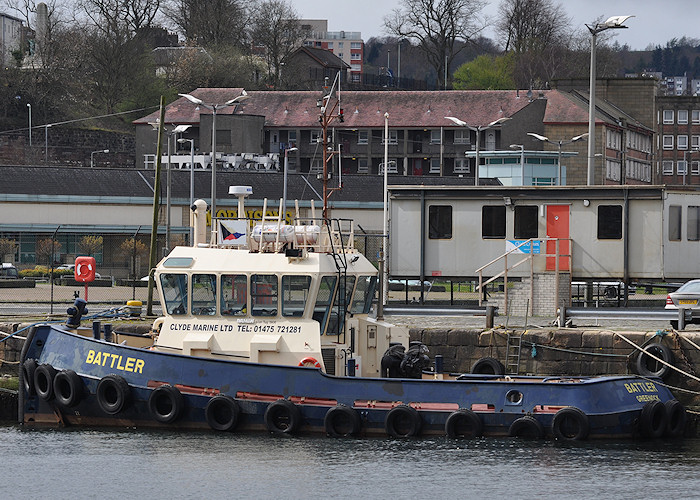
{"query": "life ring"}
[(222, 413), (341, 421), (526, 427), (309, 361), (570, 424), (675, 427), (68, 388), (113, 394), (649, 367), (488, 366), (166, 403), (43, 381), (463, 424), (28, 369), (402, 421), (282, 417), (652, 419)]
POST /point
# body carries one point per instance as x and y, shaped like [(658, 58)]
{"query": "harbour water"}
[(125, 464)]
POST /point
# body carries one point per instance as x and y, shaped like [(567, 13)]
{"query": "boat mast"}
[(330, 111)]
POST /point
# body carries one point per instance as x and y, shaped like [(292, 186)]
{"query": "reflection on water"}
[(139, 464)]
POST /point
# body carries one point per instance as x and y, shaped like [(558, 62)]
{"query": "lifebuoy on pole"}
[(463, 423), (68, 388), (342, 421), (113, 394), (310, 362), (402, 421), (570, 424), (526, 427), (166, 403), (222, 413)]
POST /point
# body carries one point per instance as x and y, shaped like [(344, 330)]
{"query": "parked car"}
[(8, 271), (686, 297)]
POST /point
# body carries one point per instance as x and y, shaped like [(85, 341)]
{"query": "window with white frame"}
[(462, 136), (695, 115), (668, 116), (393, 137), (614, 138), (461, 166), (682, 116), (435, 137), (695, 141), (392, 169), (668, 142), (362, 136), (316, 167), (695, 167), (330, 45), (435, 165), (292, 138), (362, 166), (315, 137), (355, 56), (682, 142), (667, 167), (681, 167), (355, 45), (612, 170)]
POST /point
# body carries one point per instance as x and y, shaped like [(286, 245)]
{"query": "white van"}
[(8, 271)]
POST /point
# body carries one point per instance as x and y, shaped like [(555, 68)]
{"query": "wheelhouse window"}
[(440, 222), (263, 294), (493, 222), (324, 301), (364, 294), (295, 292), (174, 289), (204, 294), (610, 222), (234, 295), (526, 222), (675, 221)]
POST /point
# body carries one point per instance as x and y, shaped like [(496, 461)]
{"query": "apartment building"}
[(347, 45)]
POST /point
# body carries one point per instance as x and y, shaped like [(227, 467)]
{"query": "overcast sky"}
[(655, 22)]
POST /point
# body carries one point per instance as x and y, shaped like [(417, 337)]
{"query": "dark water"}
[(145, 464)]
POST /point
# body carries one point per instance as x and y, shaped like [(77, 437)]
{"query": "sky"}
[(655, 22)]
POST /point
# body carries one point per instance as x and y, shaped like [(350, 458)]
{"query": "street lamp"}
[(478, 131), (284, 189), (521, 147), (191, 141), (92, 156), (614, 22), (560, 143), (29, 107), (214, 107)]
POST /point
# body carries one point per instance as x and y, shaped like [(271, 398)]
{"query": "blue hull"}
[(612, 406)]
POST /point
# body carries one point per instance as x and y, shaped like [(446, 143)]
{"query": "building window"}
[(292, 138), (440, 222), (330, 45), (461, 136), (695, 115), (355, 45), (493, 222), (667, 167), (315, 137), (355, 56), (675, 219), (682, 116), (693, 223), (340, 45), (695, 141), (435, 137), (668, 142), (526, 222), (340, 55), (681, 167), (435, 165), (362, 137), (393, 137), (668, 116), (682, 142), (610, 222), (461, 166), (695, 167), (362, 166)]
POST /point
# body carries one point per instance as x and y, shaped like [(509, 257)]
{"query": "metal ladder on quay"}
[(513, 348)]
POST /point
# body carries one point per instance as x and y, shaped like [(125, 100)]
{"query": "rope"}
[(672, 387), (533, 344)]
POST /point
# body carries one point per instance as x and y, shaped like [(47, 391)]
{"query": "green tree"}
[(486, 73)]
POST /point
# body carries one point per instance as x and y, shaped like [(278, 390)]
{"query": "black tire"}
[(488, 366), (652, 419), (677, 417), (43, 381), (113, 394), (527, 428), (649, 367), (402, 421), (464, 424), (570, 424), (222, 413), (28, 369), (341, 421), (282, 417), (166, 403), (68, 388)]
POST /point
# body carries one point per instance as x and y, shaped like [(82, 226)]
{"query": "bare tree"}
[(276, 26), (46, 249), (210, 23), (438, 27)]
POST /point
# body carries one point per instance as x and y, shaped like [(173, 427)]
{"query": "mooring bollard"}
[(96, 330), (438, 363), (489, 316), (108, 332)]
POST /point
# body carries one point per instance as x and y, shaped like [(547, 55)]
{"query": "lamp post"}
[(214, 107), (478, 131), (521, 147), (191, 141), (284, 189), (92, 156), (29, 107), (559, 144), (614, 22)]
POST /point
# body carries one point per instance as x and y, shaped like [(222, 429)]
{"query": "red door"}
[(558, 227)]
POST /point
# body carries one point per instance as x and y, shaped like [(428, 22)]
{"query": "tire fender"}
[(43, 381), (113, 394), (677, 417), (652, 419), (342, 421), (570, 424), (649, 367), (402, 421), (68, 388), (166, 403), (464, 423), (28, 369), (488, 366), (222, 413), (526, 427), (282, 417)]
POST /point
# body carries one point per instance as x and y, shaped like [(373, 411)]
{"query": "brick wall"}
[(546, 300)]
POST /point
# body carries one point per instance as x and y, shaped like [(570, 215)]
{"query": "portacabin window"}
[(440, 222), (693, 223), (526, 222), (675, 221), (610, 222), (493, 222)]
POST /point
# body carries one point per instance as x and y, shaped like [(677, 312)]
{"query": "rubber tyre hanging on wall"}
[(28, 369), (677, 417), (488, 366), (649, 367), (68, 388), (652, 419), (570, 424), (222, 413), (282, 417), (402, 421), (43, 381), (113, 394), (166, 403), (464, 424), (342, 421), (527, 428)]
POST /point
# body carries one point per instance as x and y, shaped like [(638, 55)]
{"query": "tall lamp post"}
[(286, 168), (478, 131), (191, 141), (29, 107), (214, 107), (559, 144), (92, 156), (615, 22)]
